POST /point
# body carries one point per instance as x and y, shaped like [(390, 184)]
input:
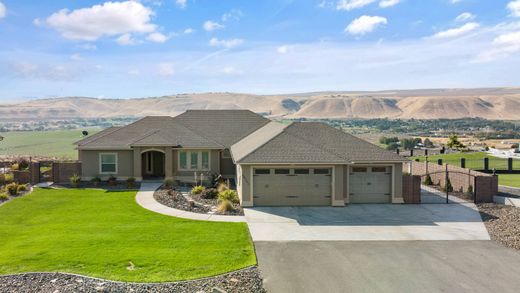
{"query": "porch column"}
[(137, 164), (168, 163)]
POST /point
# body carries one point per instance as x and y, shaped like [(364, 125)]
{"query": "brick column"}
[(34, 168)]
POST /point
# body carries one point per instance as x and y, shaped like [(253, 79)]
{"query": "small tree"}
[(428, 180), (428, 143), (454, 143), (448, 187)]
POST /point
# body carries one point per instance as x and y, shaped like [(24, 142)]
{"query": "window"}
[(321, 171), (205, 160), (262, 171), (183, 160), (301, 171), (359, 169), (194, 160), (281, 171), (379, 169), (107, 163)]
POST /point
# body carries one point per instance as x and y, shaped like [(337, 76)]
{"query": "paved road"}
[(388, 266)]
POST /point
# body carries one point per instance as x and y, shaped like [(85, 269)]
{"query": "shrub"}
[(15, 167), (225, 206), (470, 189), (74, 180), (168, 183), (3, 196), (222, 187), (197, 189), (22, 188), (209, 193), (23, 165), (448, 187), (96, 180), (428, 180), (112, 180), (8, 178), (12, 188), (130, 182), (230, 195)]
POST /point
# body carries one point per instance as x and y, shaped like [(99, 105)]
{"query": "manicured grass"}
[(474, 160), (512, 180), (42, 143), (98, 233)]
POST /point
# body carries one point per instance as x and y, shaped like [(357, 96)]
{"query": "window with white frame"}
[(108, 163), (194, 160)]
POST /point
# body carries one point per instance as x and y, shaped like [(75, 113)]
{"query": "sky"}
[(130, 49)]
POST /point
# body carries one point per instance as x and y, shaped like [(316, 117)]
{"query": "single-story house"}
[(273, 164)]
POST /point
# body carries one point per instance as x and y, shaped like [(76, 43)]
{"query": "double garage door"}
[(370, 184), (292, 186)]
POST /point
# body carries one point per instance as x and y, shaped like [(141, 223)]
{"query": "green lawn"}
[(474, 161), (98, 233), (509, 180), (42, 143)]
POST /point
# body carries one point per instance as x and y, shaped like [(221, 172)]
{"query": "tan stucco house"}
[(273, 164)]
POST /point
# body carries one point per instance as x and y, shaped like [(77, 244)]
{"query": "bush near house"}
[(75, 180), (130, 182), (96, 181), (428, 180), (112, 180), (12, 189), (3, 196), (209, 193), (229, 195), (225, 206), (22, 188), (197, 189), (168, 183)]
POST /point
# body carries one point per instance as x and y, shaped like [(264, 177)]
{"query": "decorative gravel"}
[(502, 223), (246, 280), (192, 203)]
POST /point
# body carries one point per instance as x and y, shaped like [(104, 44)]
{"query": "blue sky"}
[(125, 49)]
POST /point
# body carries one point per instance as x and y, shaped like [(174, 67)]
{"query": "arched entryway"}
[(152, 164)]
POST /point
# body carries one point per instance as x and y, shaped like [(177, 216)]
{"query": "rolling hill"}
[(488, 103)]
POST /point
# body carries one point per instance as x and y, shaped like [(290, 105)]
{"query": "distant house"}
[(273, 164)]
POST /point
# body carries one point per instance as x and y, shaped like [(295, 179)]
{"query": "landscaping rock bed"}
[(246, 280), (502, 223), (192, 203)]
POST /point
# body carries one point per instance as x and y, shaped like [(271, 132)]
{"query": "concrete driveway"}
[(384, 266), (367, 222)]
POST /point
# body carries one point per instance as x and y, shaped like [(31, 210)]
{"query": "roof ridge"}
[(193, 130), (100, 136), (261, 145), (151, 132)]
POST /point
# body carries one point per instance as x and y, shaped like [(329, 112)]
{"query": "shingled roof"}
[(313, 142)]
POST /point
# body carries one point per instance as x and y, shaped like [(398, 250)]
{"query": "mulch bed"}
[(175, 199), (246, 280), (502, 223), (120, 186)]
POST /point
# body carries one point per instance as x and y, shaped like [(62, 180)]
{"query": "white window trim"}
[(188, 160), (101, 163)]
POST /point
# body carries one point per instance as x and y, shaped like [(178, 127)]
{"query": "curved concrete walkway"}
[(145, 199)]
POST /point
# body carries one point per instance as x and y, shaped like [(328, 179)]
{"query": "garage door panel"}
[(292, 189), (370, 185)]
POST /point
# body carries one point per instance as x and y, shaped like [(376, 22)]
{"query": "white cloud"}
[(157, 37), (230, 43), (76, 57), (463, 17), (282, 49), (107, 19), (181, 3), (352, 4), (189, 31), (365, 24), (87, 46), (211, 25), (37, 22), (456, 32), (388, 3), (233, 14), (514, 7), (166, 69), (2, 10), (126, 40)]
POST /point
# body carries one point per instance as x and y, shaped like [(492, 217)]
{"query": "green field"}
[(56, 143), (107, 234), (475, 161)]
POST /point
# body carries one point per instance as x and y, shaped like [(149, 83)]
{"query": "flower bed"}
[(193, 202)]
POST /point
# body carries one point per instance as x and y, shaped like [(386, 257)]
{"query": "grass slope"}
[(97, 233), (512, 180), (42, 143)]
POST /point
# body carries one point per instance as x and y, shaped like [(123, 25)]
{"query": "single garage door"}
[(292, 186), (370, 185)]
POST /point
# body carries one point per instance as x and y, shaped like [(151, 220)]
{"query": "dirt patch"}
[(502, 223)]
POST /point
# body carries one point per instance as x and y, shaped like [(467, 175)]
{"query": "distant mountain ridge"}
[(488, 103)]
